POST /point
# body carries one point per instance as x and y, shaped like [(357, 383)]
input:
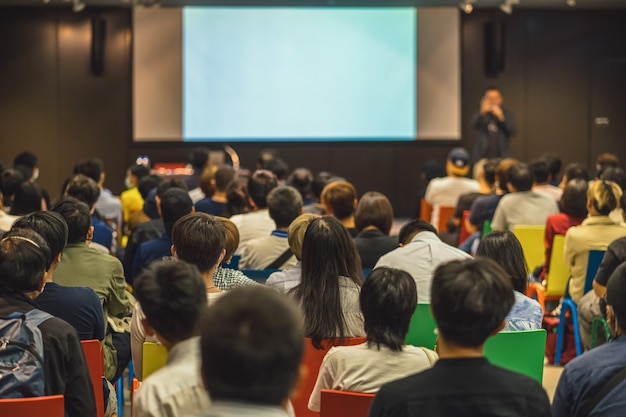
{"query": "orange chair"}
[(426, 210), (50, 406), (336, 403), (463, 232), (445, 214), (95, 362), (313, 360)]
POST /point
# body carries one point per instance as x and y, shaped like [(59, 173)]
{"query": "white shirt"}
[(420, 258), (196, 195), (109, 206), (362, 368), (262, 252), (253, 225), (177, 388), (6, 221), (285, 280), (446, 192), (549, 190), (233, 409), (526, 208)]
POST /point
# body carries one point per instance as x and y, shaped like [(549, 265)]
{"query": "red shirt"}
[(557, 224)]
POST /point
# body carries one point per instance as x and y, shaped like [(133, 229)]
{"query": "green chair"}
[(520, 351), (486, 227), (422, 330), (599, 322)]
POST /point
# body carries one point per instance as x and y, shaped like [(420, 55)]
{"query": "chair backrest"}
[(520, 351), (595, 259), (426, 210), (422, 329), (337, 403), (445, 214), (259, 275), (154, 358), (233, 263), (313, 360), (94, 356), (50, 406), (463, 232), (559, 272), (531, 238), (486, 227)]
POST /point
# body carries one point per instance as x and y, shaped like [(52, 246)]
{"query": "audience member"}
[(433, 168), (420, 253), (470, 300), (575, 171), (522, 206), (373, 219), (147, 188), (486, 186), (541, 179), (27, 163), (447, 190), (302, 180), (10, 181), (258, 222), (6, 220), (585, 388), (554, 168), (340, 199), (320, 181), (198, 160), (132, 201), (604, 161), (226, 278), (216, 203), (27, 199), (273, 251), (278, 167), (206, 187), (172, 297), (617, 176), (388, 300), (108, 205), (24, 258), (238, 200), (285, 280), (252, 345), (504, 248), (328, 293)]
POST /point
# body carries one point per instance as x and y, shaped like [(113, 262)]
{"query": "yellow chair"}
[(557, 278), (154, 358), (531, 239)]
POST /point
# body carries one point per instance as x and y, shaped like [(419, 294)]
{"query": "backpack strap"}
[(606, 389), (278, 262), (36, 316)]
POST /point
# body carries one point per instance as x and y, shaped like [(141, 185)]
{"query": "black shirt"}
[(469, 387), (65, 368), (614, 256), (372, 244), (141, 233)]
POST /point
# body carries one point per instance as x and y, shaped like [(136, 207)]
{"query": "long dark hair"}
[(504, 248), (328, 252)]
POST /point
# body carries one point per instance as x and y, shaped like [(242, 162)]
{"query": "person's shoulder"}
[(55, 327)]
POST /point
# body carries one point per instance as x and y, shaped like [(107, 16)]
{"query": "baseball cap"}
[(459, 157)]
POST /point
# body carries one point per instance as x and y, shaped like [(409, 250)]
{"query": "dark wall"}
[(563, 70)]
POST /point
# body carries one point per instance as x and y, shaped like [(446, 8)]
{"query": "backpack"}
[(21, 355)]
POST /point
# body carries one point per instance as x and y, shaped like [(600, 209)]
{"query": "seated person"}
[(273, 252), (24, 259), (388, 301), (470, 300), (215, 205), (239, 333), (541, 179), (302, 180), (585, 376), (618, 176), (340, 199), (172, 297), (224, 277), (285, 280), (320, 181), (6, 220), (132, 201), (373, 219), (575, 171), (505, 249), (27, 199)]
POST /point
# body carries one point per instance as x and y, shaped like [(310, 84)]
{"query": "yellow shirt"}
[(131, 202)]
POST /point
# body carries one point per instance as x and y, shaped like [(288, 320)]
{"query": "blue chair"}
[(233, 263), (366, 273), (119, 387), (259, 275), (595, 258)]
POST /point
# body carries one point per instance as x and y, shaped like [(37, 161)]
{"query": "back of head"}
[(167, 184), (574, 199), (27, 199), (615, 174), (520, 177), (374, 209), (223, 176), (175, 204), (388, 300), (302, 180), (10, 181), (83, 189), (554, 164), (470, 300), (24, 258), (576, 171), (502, 172), (172, 296), (506, 250), (92, 168), (458, 163), (198, 158), (50, 226), (616, 293), (540, 171), (232, 237), (284, 204), (76, 215), (604, 196), (412, 228), (199, 239), (296, 232), (237, 198), (339, 198), (489, 171), (320, 181), (27, 159), (605, 160), (252, 345), (260, 185), (147, 184), (276, 166), (139, 171)]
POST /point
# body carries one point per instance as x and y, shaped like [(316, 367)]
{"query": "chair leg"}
[(577, 339), (131, 374), (560, 333), (119, 388)]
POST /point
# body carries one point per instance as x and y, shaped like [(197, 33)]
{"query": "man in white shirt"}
[(258, 222), (420, 253), (172, 296), (447, 190), (541, 177)]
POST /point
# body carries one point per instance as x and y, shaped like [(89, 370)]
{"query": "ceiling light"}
[(571, 3), (466, 7), (78, 6)]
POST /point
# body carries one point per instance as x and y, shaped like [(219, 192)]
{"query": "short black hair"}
[(554, 164), (520, 177), (374, 209), (252, 345), (50, 226), (616, 293), (199, 239), (506, 250), (147, 184), (409, 230), (540, 170), (172, 295), (27, 159), (574, 198), (492, 88), (277, 166), (388, 300), (92, 168), (260, 185), (27, 199), (285, 205), (175, 204), (198, 158), (10, 181), (24, 256), (169, 183), (489, 169), (470, 299), (577, 171), (302, 180), (320, 181), (224, 176), (83, 189), (76, 215), (615, 174), (139, 171)]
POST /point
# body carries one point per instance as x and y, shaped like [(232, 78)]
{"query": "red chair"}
[(426, 210), (445, 214), (463, 232), (95, 362), (313, 360), (336, 403), (51, 406)]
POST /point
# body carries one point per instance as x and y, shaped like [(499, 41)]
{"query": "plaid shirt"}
[(226, 279)]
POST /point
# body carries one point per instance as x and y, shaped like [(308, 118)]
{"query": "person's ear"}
[(252, 204), (221, 258), (510, 188), (42, 282), (103, 176), (193, 209), (158, 204), (90, 233), (173, 250), (500, 327), (149, 330), (610, 317), (355, 203)]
